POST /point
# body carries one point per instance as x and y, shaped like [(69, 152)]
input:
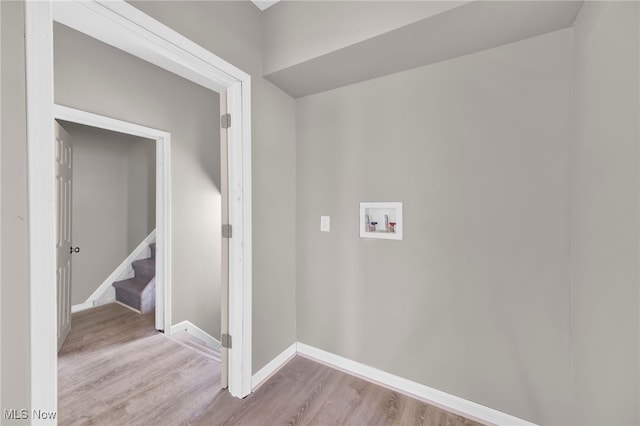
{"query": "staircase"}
[(139, 292)]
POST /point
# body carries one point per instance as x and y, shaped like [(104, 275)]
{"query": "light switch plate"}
[(325, 223)]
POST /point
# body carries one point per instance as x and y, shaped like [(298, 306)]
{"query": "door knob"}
[(74, 250)]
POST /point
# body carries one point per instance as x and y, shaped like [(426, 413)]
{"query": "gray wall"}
[(141, 195), (604, 215), (98, 78), (113, 202), (14, 271), (475, 301), (232, 30)]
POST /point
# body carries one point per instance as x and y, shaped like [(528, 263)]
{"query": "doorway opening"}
[(125, 27), (162, 196)]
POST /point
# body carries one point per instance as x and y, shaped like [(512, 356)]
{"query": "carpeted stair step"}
[(130, 291), (148, 297), (139, 292), (145, 268)]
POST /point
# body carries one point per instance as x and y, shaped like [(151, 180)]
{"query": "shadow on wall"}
[(209, 158)]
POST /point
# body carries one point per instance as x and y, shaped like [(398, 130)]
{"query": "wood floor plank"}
[(344, 394), (115, 369)]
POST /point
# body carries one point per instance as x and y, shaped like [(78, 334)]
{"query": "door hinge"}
[(227, 231), (226, 341), (225, 121)]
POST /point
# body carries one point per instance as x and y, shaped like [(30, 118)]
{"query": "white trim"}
[(163, 233), (123, 271), (245, 245), (240, 260), (137, 311), (273, 366), (42, 240), (196, 332), (82, 306), (121, 25), (135, 32), (446, 401), (1, 239), (66, 113)]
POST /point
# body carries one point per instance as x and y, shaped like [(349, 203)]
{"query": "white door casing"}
[(121, 25), (224, 281), (64, 192)]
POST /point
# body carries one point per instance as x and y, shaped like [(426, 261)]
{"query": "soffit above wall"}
[(297, 31), (264, 4), (471, 27)]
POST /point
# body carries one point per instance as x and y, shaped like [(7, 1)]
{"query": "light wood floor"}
[(115, 369)]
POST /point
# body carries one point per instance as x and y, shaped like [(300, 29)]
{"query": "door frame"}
[(163, 196), (123, 26)]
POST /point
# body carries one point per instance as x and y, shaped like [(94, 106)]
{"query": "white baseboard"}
[(137, 311), (463, 407), (195, 331), (273, 366), (105, 293), (81, 307), (109, 296)]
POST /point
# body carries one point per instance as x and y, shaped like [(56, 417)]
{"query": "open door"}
[(224, 282), (64, 158)]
